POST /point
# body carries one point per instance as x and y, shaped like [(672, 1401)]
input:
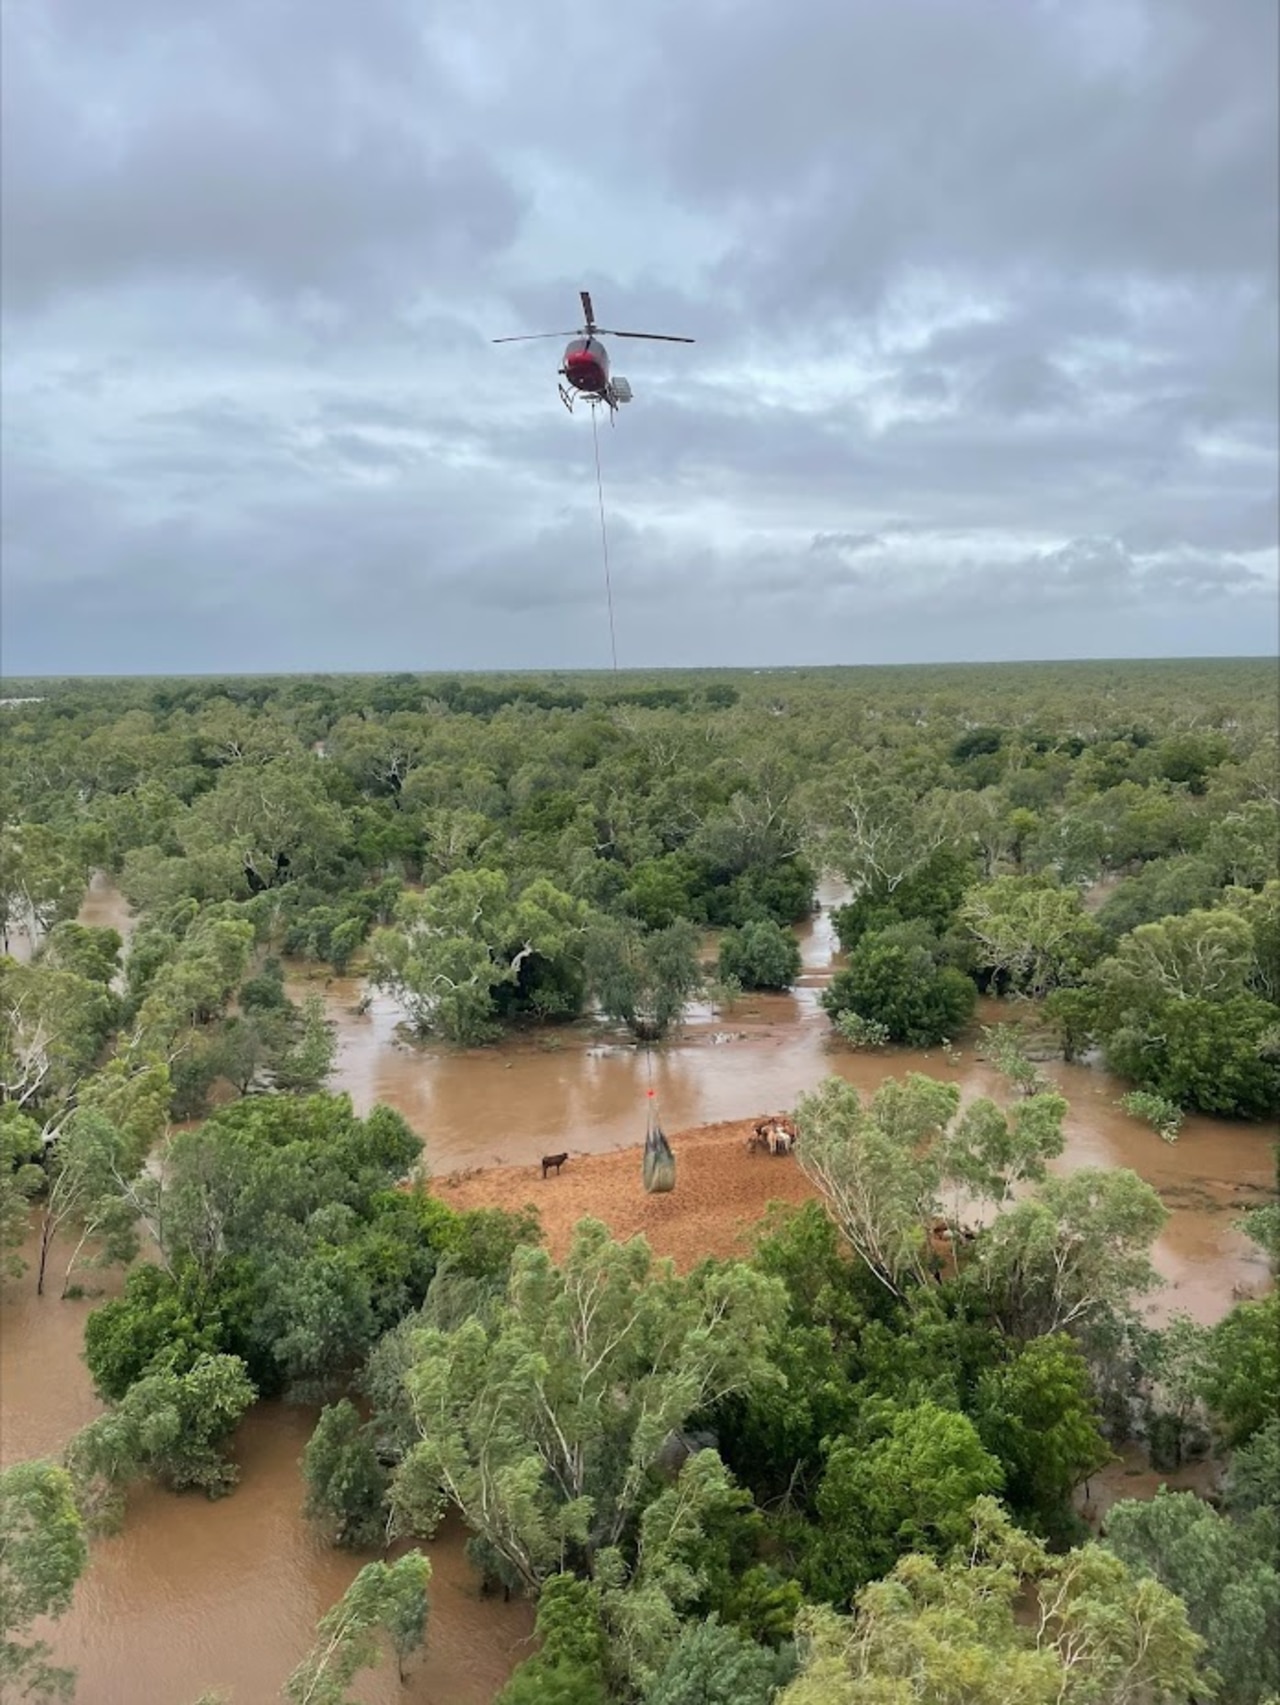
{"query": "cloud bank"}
[(985, 299)]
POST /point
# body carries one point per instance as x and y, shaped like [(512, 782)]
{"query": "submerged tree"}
[(644, 979), (454, 947), (42, 1555), (388, 1599)]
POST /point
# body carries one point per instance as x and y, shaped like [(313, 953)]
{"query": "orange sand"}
[(721, 1193)]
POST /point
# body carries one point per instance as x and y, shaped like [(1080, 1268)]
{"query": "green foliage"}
[(911, 1489), (346, 1484), (41, 881), (1006, 1048), (569, 1667), (761, 955), (387, 1599), (1037, 1415), (1242, 1377), (542, 1425), (711, 1664), (882, 1170), (860, 1032), (169, 1427), (1073, 1256), (42, 1556), (93, 954), (88, 1173), (163, 1322), (1223, 1570), (902, 984), (1209, 1056), (21, 1178), (1164, 1116), (1253, 1479), (1002, 791), (643, 980), (1031, 935), (282, 1241), (453, 947), (948, 1633)]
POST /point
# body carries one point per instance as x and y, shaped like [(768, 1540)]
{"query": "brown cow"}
[(556, 1160)]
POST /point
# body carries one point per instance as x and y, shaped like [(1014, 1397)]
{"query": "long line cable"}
[(604, 541)]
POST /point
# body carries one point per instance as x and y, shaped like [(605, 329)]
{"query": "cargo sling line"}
[(659, 1167), (604, 541)]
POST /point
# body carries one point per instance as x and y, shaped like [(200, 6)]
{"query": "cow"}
[(556, 1160)]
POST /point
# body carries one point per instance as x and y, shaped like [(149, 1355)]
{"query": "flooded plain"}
[(193, 1595)]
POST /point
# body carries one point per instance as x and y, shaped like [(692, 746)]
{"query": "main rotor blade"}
[(528, 337), (586, 306), (653, 337)]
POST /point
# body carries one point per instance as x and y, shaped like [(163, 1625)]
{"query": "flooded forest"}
[(694, 1188)]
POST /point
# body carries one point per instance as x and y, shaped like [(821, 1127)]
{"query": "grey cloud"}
[(984, 295), (274, 160)]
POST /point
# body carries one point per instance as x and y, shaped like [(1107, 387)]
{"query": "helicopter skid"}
[(570, 396)]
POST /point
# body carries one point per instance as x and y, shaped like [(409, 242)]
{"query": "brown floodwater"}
[(194, 1595), (583, 1088)]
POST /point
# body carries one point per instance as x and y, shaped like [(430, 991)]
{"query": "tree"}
[(42, 1555), (541, 1422), (1069, 1257), (283, 1207), (911, 1489), (1038, 1416), (1241, 1382), (346, 1484), (895, 978), (90, 1169), (1214, 1056), (1178, 1360), (1030, 932), (1253, 1479), (1202, 955), (1164, 1116), (877, 833), (168, 1426), (1004, 1045), (882, 1169), (385, 1598), (162, 1322), (761, 955), (569, 1667), (91, 953), (273, 817), (21, 1177), (947, 1634), (711, 1664), (41, 881), (452, 947), (643, 979), (53, 1024), (1225, 1573)]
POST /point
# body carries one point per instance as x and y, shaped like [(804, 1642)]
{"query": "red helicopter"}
[(586, 361)]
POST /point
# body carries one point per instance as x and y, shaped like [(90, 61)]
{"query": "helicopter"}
[(585, 372)]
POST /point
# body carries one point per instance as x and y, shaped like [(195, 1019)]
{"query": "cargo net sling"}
[(659, 1162)]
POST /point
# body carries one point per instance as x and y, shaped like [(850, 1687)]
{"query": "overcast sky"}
[(984, 293)]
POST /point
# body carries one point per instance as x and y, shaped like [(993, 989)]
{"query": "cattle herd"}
[(776, 1136)]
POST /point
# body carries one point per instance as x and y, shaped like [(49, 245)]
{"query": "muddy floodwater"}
[(193, 1595), (583, 1088)]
